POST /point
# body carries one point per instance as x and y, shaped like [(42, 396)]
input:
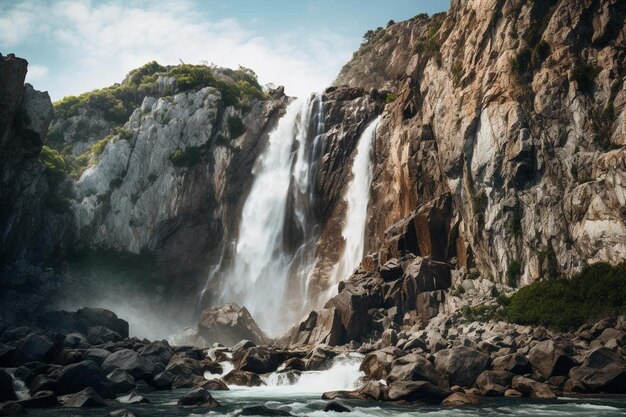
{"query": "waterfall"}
[(357, 199), (274, 254)]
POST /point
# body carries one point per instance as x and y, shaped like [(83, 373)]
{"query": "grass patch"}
[(598, 291), (390, 98), (187, 157)]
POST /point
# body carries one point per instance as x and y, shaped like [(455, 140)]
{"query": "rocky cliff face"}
[(504, 144)]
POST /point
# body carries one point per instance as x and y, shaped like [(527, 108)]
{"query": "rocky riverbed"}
[(86, 359)]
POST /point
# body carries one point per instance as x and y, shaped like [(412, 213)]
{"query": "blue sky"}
[(79, 45)]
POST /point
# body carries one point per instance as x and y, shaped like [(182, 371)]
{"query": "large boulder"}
[(158, 352), (7, 393), (83, 319), (131, 362), (42, 399), (198, 397), (243, 378), (610, 378), (186, 372), (531, 388), (514, 362), (86, 398), (550, 359), (417, 391), (34, 347), (370, 391), (459, 399), (262, 410), (121, 381), (260, 360), (413, 367), (494, 383), (377, 365), (228, 325), (42, 382), (163, 380), (78, 376), (461, 365)]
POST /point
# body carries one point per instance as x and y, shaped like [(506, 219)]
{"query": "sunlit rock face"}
[(504, 142)]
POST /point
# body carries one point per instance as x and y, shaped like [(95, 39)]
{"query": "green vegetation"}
[(58, 198), (430, 44), (54, 163), (585, 75), (390, 98), (549, 263), (473, 275), (187, 157), (596, 292), (481, 313), (513, 272), (516, 222), (235, 127), (457, 73)]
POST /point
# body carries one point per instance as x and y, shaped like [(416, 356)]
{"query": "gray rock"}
[(76, 377), (121, 381), (198, 397), (417, 391), (550, 359), (86, 398), (7, 393), (461, 365), (131, 362)]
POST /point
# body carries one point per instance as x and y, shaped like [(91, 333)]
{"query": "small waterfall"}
[(357, 199), (273, 254)]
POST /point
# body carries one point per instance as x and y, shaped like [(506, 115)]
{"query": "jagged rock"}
[(417, 391), (534, 389), (130, 361), (96, 355), (461, 365), (610, 378), (35, 347), (76, 377), (413, 367), (132, 398), (391, 270), (243, 378), (320, 359), (261, 410), (550, 359), (260, 360), (228, 325), (295, 364), (163, 380), (198, 397), (459, 399), (336, 407), (84, 319), (121, 381), (83, 399), (187, 372), (158, 352), (515, 363), (215, 385), (371, 391), (42, 399), (7, 393), (512, 393), (243, 344), (494, 383), (377, 365)]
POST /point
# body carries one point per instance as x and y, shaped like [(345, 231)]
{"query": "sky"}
[(74, 46)]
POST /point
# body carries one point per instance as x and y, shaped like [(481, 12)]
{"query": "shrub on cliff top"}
[(596, 292)]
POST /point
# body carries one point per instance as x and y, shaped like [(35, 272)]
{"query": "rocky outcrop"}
[(228, 325)]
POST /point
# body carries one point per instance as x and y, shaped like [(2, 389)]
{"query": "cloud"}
[(99, 43), (36, 73)]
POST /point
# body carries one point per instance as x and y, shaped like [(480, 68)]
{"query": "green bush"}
[(54, 163), (513, 272), (481, 313), (235, 127), (145, 73), (390, 98), (187, 157), (596, 292), (189, 77)]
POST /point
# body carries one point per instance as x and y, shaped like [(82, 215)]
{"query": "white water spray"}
[(357, 199)]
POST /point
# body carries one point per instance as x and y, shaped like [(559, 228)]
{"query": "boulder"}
[(121, 381), (295, 364), (84, 319), (549, 359), (69, 356), (459, 399), (34, 347), (242, 345), (98, 335), (131, 362), (391, 270), (512, 393), (413, 367), (494, 383), (532, 388), (96, 355), (7, 354), (261, 410), (377, 365), (7, 393), (157, 352), (514, 362), (610, 378), (76, 340), (198, 397), (336, 407), (132, 398), (600, 357), (187, 372), (260, 360), (121, 413), (76, 377), (42, 382), (370, 391), (215, 385), (42, 399), (320, 359), (163, 380), (86, 398), (11, 409), (228, 325), (461, 365), (243, 378), (417, 391)]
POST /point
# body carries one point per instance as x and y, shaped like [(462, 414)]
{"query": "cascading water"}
[(273, 255), (357, 199)]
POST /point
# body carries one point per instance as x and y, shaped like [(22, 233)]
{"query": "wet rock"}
[(512, 393), (121, 413), (461, 365), (413, 367), (11, 409), (7, 393), (260, 360), (42, 383), (610, 378), (228, 325), (42, 399), (132, 398), (320, 359), (215, 385), (261, 410), (417, 391), (243, 378), (459, 399), (121, 381), (198, 397), (550, 359), (163, 381), (157, 352), (131, 362), (96, 355), (86, 398), (243, 344), (336, 407), (377, 365), (187, 372), (295, 364), (76, 377), (34, 347), (389, 338)]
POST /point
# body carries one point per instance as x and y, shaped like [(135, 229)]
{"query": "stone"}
[(41, 399), (417, 391), (389, 338), (198, 397), (461, 365), (86, 398), (121, 381), (260, 360), (158, 352), (391, 270), (550, 359), (515, 363), (531, 388), (512, 393), (377, 365), (7, 393), (413, 367), (459, 399), (11, 409), (163, 381), (131, 362), (370, 391), (187, 372), (243, 344), (34, 347), (261, 410), (243, 378), (96, 355), (610, 378), (336, 407), (320, 359), (132, 398), (494, 383), (42, 382), (228, 325), (215, 385), (76, 377), (122, 413)]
